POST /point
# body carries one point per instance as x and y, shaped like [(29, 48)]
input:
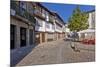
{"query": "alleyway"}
[(58, 52)]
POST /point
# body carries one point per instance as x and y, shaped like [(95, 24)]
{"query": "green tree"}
[(78, 21)]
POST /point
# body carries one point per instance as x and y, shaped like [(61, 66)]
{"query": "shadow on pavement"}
[(71, 40), (18, 54)]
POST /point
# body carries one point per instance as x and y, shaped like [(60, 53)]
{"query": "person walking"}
[(74, 39)]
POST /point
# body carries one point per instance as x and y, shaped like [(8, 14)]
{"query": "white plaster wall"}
[(42, 27), (50, 29), (67, 30), (89, 20), (58, 30)]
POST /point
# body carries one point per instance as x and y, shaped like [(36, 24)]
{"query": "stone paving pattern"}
[(58, 52)]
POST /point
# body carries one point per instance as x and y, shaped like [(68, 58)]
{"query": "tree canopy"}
[(78, 21)]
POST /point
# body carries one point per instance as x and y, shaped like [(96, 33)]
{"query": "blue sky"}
[(66, 10)]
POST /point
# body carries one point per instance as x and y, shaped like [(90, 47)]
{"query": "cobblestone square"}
[(57, 52)]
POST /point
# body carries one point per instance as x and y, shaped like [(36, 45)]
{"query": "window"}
[(39, 23), (43, 12), (23, 5), (58, 27), (30, 8), (47, 25), (47, 16), (22, 11), (53, 27), (38, 10), (22, 8)]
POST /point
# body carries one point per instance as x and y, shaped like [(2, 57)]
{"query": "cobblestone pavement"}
[(58, 52)]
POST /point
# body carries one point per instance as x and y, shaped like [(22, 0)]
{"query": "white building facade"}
[(91, 19), (48, 26), (90, 32)]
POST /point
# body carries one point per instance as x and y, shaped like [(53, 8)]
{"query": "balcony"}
[(58, 21), (58, 28), (22, 12), (39, 14), (51, 19)]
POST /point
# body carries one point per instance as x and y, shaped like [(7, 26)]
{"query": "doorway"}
[(31, 37), (12, 36), (37, 38), (43, 37), (23, 36)]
